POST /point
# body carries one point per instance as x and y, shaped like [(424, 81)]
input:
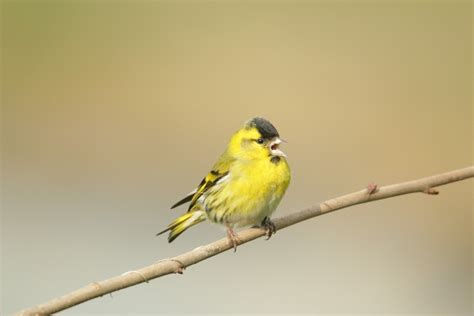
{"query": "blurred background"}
[(113, 111)]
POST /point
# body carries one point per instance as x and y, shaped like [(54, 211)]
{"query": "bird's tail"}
[(179, 225)]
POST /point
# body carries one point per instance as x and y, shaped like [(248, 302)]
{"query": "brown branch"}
[(179, 263)]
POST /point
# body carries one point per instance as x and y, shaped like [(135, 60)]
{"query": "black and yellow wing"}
[(219, 171)]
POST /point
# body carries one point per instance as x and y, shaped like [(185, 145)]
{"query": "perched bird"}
[(244, 187)]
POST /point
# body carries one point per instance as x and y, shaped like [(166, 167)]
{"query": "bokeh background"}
[(112, 111)]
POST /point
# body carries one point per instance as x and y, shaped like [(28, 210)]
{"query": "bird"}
[(243, 188)]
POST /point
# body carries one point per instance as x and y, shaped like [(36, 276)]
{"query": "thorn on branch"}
[(372, 187), (431, 191), (180, 269)]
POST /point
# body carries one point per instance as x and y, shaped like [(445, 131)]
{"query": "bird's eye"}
[(260, 140)]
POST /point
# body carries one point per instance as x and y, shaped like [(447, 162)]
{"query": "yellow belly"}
[(253, 191)]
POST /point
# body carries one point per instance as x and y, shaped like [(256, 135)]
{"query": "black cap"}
[(266, 129)]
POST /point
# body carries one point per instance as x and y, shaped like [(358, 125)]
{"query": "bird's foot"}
[(269, 226), (233, 238)]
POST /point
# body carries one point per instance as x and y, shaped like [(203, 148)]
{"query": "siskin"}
[(244, 187)]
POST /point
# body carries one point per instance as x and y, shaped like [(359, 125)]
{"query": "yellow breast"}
[(253, 191)]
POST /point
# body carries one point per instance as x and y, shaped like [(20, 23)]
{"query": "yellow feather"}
[(179, 225)]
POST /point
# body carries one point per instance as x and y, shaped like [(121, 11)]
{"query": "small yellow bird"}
[(244, 187)]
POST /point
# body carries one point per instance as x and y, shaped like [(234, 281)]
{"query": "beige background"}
[(113, 110)]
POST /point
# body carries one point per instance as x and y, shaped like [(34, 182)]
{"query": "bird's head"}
[(257, 139)]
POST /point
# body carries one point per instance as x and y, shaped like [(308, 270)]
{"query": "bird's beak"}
[(274, 147)]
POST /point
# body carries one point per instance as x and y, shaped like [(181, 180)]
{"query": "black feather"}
[(265, 128), (185, 200)]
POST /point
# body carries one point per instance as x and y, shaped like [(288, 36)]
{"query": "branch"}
[(179, 263)]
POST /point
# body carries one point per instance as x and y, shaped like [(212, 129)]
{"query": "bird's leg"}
[(270, 228), (233, 238)]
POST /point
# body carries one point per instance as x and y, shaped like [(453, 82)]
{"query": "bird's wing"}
[(218, 172), (208, 182)]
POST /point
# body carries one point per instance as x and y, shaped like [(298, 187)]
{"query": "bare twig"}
[(177, 264)]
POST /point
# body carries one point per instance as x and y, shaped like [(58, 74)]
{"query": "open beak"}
[(275, 147)]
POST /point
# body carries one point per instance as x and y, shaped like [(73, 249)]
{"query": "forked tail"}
[(179, 225)]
